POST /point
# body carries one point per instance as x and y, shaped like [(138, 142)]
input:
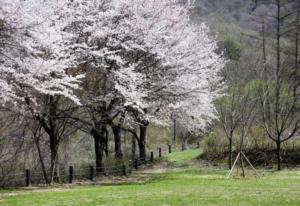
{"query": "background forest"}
[(256, 37)]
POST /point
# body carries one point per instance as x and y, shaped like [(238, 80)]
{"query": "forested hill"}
[(230, 16), (233, 21)]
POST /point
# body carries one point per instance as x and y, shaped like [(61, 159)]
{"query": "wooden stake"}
[(235, 161), (250, 163)]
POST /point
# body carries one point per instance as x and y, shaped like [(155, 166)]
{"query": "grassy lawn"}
[(182, 187), (182, 157)]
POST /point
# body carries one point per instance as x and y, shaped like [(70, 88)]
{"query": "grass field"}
[(171, 187)]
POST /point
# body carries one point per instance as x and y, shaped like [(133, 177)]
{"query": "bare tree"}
[(280, 91), (227, 108), (245, 108)]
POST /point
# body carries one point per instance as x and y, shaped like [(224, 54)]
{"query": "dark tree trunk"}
[(174, 131), (230, 153), (100, 141), (278, 153), (44, 170), (242, 165), (142, 141), (104, 139), (52, 130), (36, 137), (133, 146), (98, 153), (54, 143), (117, 137)]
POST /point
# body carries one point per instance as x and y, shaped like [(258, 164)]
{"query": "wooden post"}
[(91, 173), (170, 148), (71, 174), (28, 178), (151, 157), (198, 145), (136, 164), (182, 147), (124, 172), (250, 163), (237, 157), (159, 152)]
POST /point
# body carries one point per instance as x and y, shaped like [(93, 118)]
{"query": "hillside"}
[(241, 13)]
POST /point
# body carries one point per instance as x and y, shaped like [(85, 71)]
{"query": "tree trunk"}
[(52, 130), (242, 165), (36, 138), (142, 141), (230, 154), (100, 142), (174, 131), (54, 144), (133, 147), (278, 153), (98, 153), (185, 139), (37, 143), (117, 138)]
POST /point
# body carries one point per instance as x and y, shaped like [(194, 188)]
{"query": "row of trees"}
[(83, 65), (267, 95)]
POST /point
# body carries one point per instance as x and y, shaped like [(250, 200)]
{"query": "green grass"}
[(184, 187), (182, 157)]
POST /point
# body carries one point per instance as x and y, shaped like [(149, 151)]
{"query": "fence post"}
[(159, 152), (151, 157), (124, 170), (71, 174), (198, 145), (28, 178), (92, 173), (170, 148), (136, 164), (182, 147)]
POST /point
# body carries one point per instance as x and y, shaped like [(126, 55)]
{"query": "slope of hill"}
[(233, 17)]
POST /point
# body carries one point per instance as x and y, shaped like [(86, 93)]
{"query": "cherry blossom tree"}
[(104, 47), (33, 70), (182, 67)]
